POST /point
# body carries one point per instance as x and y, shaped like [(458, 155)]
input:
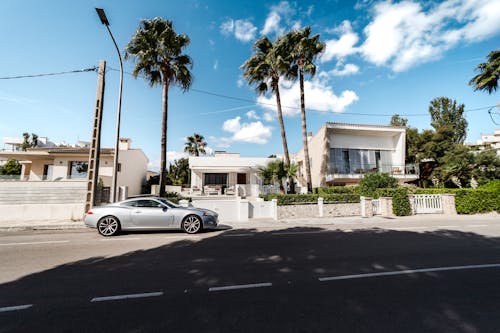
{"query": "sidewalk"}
[(284, 223)]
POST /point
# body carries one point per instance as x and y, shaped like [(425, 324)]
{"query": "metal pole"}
[(118, 115)]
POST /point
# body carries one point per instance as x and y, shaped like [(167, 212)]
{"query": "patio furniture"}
[(212, 189), (230, 190), (195, 190)]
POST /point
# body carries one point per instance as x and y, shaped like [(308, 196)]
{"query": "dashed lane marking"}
[(35, 243), (119, 297), (241, 286), (15, 308), (407, 271)]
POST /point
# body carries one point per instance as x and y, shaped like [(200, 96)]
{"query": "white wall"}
[(134, 168), (360, 141)]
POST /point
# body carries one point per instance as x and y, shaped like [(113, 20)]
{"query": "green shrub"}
[(492, 185), (474, 201), (373, 181), (337, 190), (291, 199), (175, 197), (400, 202)]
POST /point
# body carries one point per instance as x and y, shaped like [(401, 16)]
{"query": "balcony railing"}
[(360, 169)]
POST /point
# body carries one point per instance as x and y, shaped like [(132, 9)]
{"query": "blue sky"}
[(381, 58)]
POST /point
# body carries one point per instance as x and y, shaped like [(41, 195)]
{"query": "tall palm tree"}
[(487, 79), (264, 69), (157, 51), (305, 49), (195, 145)]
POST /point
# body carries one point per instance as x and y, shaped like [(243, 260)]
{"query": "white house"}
[(341, 153), (226, 173), (54, 180), (488, 142)]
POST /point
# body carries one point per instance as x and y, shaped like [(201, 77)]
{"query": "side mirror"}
[(164, 208)]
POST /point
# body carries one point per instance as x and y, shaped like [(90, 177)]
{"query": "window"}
[(215, 179), (47, 171), (130, 203), (78, 169), (148, 203)]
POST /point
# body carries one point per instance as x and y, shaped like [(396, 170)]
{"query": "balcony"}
[(356, 171)]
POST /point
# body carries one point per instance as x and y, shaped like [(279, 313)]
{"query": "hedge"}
[(291, 199), (400, 202), (337, 190)]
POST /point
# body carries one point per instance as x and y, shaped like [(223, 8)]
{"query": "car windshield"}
[(167, 203)]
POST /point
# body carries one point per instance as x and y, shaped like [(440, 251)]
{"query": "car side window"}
[(130, 204), (148, 203)]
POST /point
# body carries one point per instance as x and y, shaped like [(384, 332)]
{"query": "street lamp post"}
[(104, 21)]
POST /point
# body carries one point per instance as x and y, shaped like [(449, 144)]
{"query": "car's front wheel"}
[(191, 224), (108, 226)]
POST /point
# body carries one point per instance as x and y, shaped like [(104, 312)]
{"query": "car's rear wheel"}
[(191, 224), (108, 226)]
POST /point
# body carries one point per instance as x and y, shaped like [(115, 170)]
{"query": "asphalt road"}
[(395, 278)]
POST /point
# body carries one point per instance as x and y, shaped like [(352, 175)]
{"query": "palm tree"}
[(195, 145), (305, 49), (157, 51), (487, 79), (274, 172), (264, 69)]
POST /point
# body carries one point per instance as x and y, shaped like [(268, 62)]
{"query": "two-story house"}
[(340, 154)]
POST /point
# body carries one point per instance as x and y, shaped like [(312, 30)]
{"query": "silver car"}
[(149, 213)]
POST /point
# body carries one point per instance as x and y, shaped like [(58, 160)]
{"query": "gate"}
[(428, 204)]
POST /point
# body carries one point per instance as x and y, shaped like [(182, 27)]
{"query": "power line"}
[(92, 69), (308, 109)]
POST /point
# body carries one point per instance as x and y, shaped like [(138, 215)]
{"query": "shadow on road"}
[(292, 260)]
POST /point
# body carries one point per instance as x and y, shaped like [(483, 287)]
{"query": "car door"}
[(151, 214)]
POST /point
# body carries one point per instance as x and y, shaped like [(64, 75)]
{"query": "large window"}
[(78, 169), (348, 161), (215, 179)]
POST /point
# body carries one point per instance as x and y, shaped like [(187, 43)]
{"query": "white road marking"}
[(16, 308), (407, 228), (120, 239), (35, 243), (407, 271), (476, 225), (447, 226), (299, 232), (118, 297), (238, 235), (241, 286)]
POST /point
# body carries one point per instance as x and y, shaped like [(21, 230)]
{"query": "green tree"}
[(486, 167), (304, 50), (372, 181), (445, 112), (276, 171), (396, 120), (158, 54), (179, 173), (195, 145), (455, 166), (11, 167), (268, 63), (29, 142), (487, 79)]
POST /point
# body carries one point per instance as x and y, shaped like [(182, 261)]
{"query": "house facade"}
[(340, 154), (489, 141), (226, 173)]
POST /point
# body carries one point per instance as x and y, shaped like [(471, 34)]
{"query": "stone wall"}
[(313, 210)]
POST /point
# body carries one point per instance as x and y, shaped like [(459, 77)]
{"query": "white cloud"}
[(252, 115), (269, 117), (348, 69), (216, 64), (279, 13), (240, 82), (252, 132), (243, 30), (318, 96), (402, 35), (342, 47), (154, 165)]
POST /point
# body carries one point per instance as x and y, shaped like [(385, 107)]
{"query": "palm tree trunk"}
[(283, 135), (163, 153), (304, 129)]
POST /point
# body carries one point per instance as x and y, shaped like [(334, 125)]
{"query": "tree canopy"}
[(489, 72), (445, 112)]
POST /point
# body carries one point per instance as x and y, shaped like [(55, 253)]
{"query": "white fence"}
[(428, 204)]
